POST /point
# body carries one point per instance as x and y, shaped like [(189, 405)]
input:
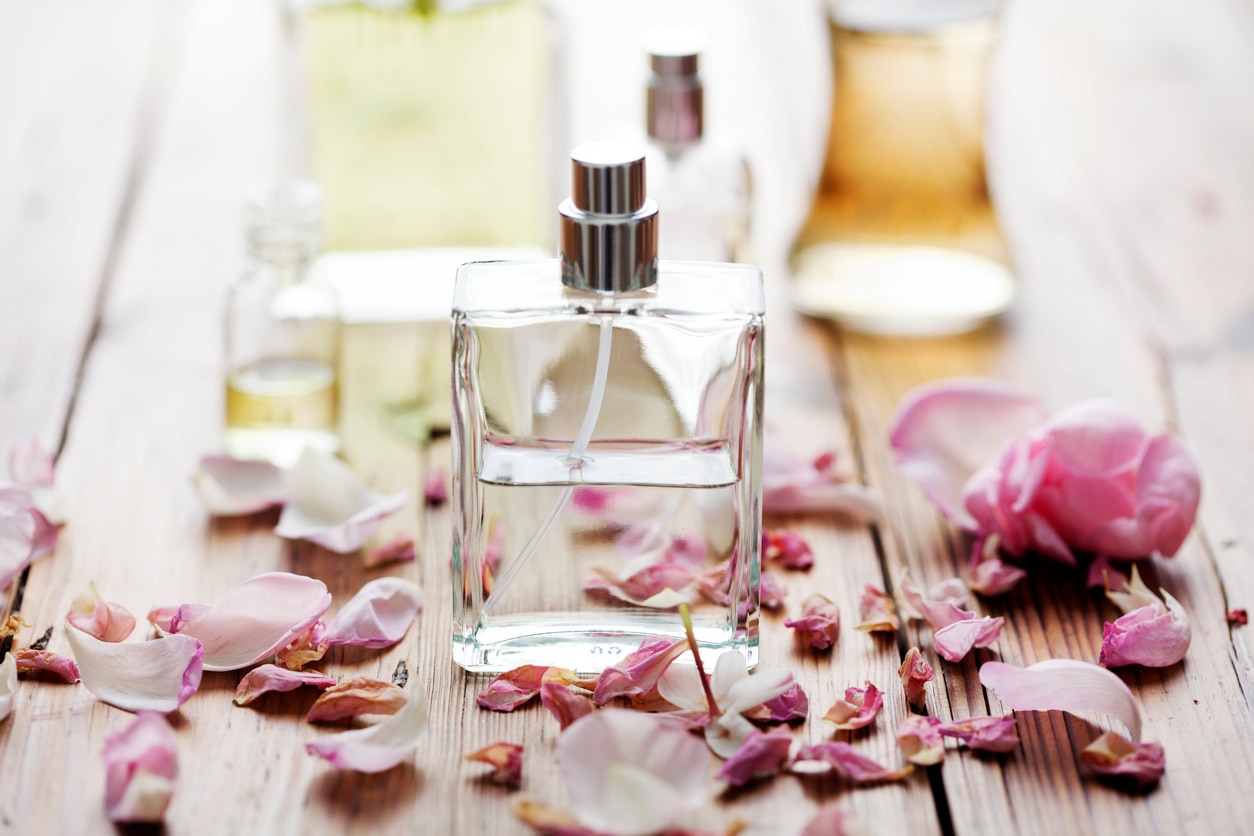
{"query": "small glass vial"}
[(282, 333), (701, 188), (607, 440)]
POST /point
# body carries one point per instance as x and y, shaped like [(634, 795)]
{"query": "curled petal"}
[(254, 619), (848, 762), (639, 671), (29, 660), (787, 548), (876, 611), (162, 617), (141, 766), (993, 577), (915, 673), (435, 487), (791, 705), (511, 689), (399, 549), (631, 774), (328, 505), (8, 685), (18, 532), (505, 758), (984, 734), (99, 618), (380, 747), (819, 623), (955, 641), (1114, 755), (658, 586), (1156, 636), (356, 696), (858, 709), (1063, 685), (1133, 594), (761, 754), (233, 487), (379, 614), (158, 675), (562, 704), (303, 650), (268, 678), (937, 613), (920, 740)]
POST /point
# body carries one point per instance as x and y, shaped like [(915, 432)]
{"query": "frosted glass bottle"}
[(282, 333), (606, 407)]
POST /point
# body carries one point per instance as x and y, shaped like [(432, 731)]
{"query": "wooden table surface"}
[(1122, 151)]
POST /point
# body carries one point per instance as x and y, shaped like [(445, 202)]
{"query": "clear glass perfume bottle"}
[(282, 333), (607, 440), (701, 188)]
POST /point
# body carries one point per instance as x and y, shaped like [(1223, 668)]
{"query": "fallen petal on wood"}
[(158, 675), (380, 747), (141, 767)]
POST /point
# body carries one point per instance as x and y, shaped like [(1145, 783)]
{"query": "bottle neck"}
[(289, 256), (675, 110)]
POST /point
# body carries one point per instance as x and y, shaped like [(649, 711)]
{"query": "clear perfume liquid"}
[(275, 408)]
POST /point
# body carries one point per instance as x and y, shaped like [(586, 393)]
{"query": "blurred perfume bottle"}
[(282, 333), (433, 123), (701, 187), (902, 237)]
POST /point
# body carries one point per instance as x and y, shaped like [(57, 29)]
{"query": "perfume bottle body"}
[(607, 450)]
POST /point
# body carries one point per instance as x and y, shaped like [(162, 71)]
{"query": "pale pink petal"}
[(1063, 685), (511, 689), (563, 704), (141, 766), (158, 675), (659, 586), (330, 506), (30, 464), (1113, 755), (944, 432), (830, 820), (399, 549), (793, 486), (631, 774), (681, 686), (984, 734), (379, 614), (102, 619), (955, 641), (787, 548), (639, 671), (505, 758), (876, 611), (848, 762), (762, 754), (1168, 488), (354, 697), (435, 487), (266, 678), (915, 673), (1133, 594), (857, 710), (162, 617), (232, 487), (1154, 636), (992, 577), (44, 660), (748, 692), (937, 613), (33, 468), (18, 532), (8, 685), (950, 591), (791, 705), (380, 747), (819, 623), (920, 740), (254, 619)]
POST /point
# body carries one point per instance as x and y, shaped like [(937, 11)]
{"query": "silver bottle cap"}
[(675, 102), (609, 226)]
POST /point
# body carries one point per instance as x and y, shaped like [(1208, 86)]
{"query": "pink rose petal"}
[(1155, 636), (793, 486), (762, 754), (984, 734), (990, 576), (920, 740), (1105, 573), (380, 747), (18, 531), (158, 675), (848, 762), (267, 678), (43, 660), (330, 506), (787, 548), (141, 766), (379, 615), (564, 705), (505, 758), (399, 549), (857, 710), (8, 685), (31, 467), (936, 613), (1063, 685), (254, 619), (639, 671), (519, 685), (1115, 756), (955, 641), (162, 617), (660, 586), (354, 697), (915, 673), (99, 618), (791, 705), (876, 611), (771, 592), (234, 487), (435, 488), (819, 623)]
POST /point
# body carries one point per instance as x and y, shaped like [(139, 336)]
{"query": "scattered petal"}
[(505, 758), (99, 618), (955, 641), (791, 705), (355, 696), (993, 577), (984, 734), (848, 762), (8, 685), (658, 586), (233, 487), (399, 549), (1155, 636), (18, 532), (330, 506), (380, 747), (639, 671), (938, 613), (305, 649), (266, 678), (915, 673), (793, 486), (158, 675), (819, 623), (1113, 755), (29, 660), (787, 548), (32, 467), (761, 754), (857, 710), (254, 619), (162, 617), (514, 687), (141, 766), (1063, 685), (566, 706), (1133, 594), (830, 820), (379, 614), (631, 774), (876, 611), (435, 489), (1238, 618), (920, 740)]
